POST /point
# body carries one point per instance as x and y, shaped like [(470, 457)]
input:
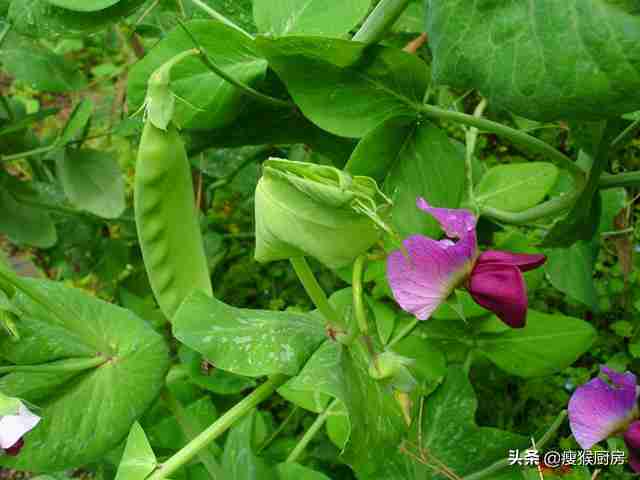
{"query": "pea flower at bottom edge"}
[(14, 427), (600, 409), (424, 276)]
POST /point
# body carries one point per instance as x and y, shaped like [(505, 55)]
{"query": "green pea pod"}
[(166, 219)]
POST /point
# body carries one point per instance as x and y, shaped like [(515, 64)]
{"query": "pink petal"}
[(424, 279), (456, 223), (523, 261), (14, 427), (598, 409), (632, 439), (500, 288)]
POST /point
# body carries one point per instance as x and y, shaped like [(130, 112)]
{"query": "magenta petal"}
[(632, 439), (500, 288), (456, 223), (523, 261), (598, 409), (426, 277)]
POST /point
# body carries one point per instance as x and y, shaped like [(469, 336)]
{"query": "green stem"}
[(218, 16), (189, 430), (61, 366), (380, 20), (404, 332), (490, 471), (628, 179), (311, 432), (626, 133), (358, 297), (471, 137), (314, 290), (280, 428), (239, 410), (546, 209), (210, 64), (516, 136), (28, 153)]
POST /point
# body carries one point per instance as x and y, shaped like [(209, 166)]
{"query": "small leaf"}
[(138, 459), (547, 344), (92, 181), (83, 5), (517, 186), (247, 342), (570, 270), (328, 18), (77, 122), (239, 460)]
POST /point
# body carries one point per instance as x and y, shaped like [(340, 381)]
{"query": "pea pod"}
[(166, 219)]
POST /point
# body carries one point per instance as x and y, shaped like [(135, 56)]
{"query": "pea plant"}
[(444, 287)]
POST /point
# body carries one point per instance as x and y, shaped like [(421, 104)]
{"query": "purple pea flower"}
[(428, 271), (600, 409)]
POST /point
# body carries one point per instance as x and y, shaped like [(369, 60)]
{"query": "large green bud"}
[(315, 210)]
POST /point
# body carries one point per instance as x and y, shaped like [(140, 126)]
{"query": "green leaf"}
[(92, 181), (328, 18), (385, 318), (239, 12), (429, 165), (517, 186), (77, 122), (549, 60), (239, 461), (38, 18), (293, 471), (138, 460), (346, 87), (412, 19), (430, 366), (448, 428), (40, 68), (247, 342), (215, 380), (570, 270), (83, 5), (59, 323), (23, 223), (217, 103), (547, 344)]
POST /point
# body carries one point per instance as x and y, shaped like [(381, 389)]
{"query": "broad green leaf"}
[(83, 5), (430, 366), (19, 220), (449, 428), (77, 121), (217, 103), (138, 460), (92, 181), (547, 344), (570, 270), (429, 165), (40, 68), (239, 12), (39, 18), (412, 19), (294, 471), (328, 18), (215, 380), (247, 342), (545, 60), (346, 87), (64, 324), (239, 461), (517, 186)]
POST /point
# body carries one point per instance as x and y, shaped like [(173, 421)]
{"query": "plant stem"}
[(626, 133), (311, 432), (210, 64), (314, 290), (627, 179), (404, 332), (61, 366), (358, 304), (218, 16), (550, 207), (188, 429), (7, 108), (516, 136), (239, 410), (471, 137), (28, 153), (504, 463), (279, 430), (380, 20)]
